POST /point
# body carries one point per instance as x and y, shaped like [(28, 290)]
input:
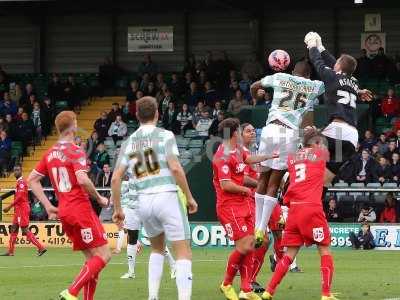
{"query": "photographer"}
[(364, 239)]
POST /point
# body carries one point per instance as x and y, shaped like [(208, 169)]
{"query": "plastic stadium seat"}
[(190, 133), (392, 185), (195, 144), (357, 185), (373, 185), (378, 197), (186, 154), (341, 185)]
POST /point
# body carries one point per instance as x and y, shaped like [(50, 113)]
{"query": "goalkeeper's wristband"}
[(321, 48)]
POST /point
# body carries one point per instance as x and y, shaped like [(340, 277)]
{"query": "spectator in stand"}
[(368, 141), (16, 95), (100, 158), (26, 94), (210, 95), (185, 118), (101, 126), (244, 86), (148, 66), (382, 144), (203, 78), (383, 172), (37, 120), (169, 119), (103, 178), (237, 103), (364, 239), (389, 213), (38, 213), (139, 94), (216, 110), (380, 64), (332, 212), (161, 93), (20, 111), (48, 116), (7, 106), (266, 101), (188, 81), (91, 145), (145, 82), (363, 65), (55, 89), (364, 167), (193, 95), (72, 94), (375, 152), (175, 85), (233, 87), (203, 124), (252, 67), (390, 105), (166, 100), (133, 88), (26, 132), (5, 151), (28, 106), (126, 112), (391, 149), (11, 127), (395, 167), (367, 214), (151, 89), (197, 112), (118, 129), (213, 130), (159, 81), (115, 111)]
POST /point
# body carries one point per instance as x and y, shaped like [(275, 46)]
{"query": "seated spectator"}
[(151, 89), (38, 118), (391, 149), (91, 144), (375, 152), (148, 66), (7, 106), (118, 129), (390, 105), (55, 89), (203, 123), (28, 106), (100, 158), (26, 94), (364, 167), (175, 85), (185, 118), (397, 139), (213, 130), (3, 124), (188, 79), (11, 127), (16, 94), (395, 167), (133, 88), (389, 214), (203, 78), (237, 103), (38, 213), (332, 212), (103, 179), (26, 132), (216, 110), (101, 126), (72, 94), (383, 170), (5, 151), (115, 111), (382, 144), (169, 119), (233, 87), (367, 214), (244, 86), (193, 95), (47, 111), (210, 95), (364, 239), (18, 116), (159, 81), (197, 112), (368, 141)]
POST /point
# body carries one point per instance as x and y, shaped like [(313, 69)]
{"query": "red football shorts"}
[(238, 221), (276, 215), (306, 225), (84, 230), (21, 218)]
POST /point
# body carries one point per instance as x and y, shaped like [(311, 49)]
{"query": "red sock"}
[(280, 271), (258, 261), (31, 237), (278, 249), (234, 262), (90, 288), (327, 270), (90, 270), (11, 244), (246, 272)]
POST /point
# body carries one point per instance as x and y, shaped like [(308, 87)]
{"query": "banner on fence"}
[(150, 39), (211, 235)]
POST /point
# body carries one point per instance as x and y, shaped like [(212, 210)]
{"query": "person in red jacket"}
[(389, 215), (390, 105), (21, 215)]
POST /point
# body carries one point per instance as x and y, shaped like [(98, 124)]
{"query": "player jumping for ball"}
[(294, 95), (21, 214), (65, 164), (306, 223), (341, 92)]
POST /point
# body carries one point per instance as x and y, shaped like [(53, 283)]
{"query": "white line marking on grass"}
[(77, 265)]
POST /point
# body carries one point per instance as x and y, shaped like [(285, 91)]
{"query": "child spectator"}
[(364, 239), (389, 215), (367, 214), (185, 118)]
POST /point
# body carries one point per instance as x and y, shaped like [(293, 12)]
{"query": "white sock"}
[(131, 253), (184, 279), (259, 207), (170, 258), (293, 265), (120, 240), (156, 264), (268, 207)]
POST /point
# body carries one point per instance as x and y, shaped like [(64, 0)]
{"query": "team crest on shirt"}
[(240, 167), (244, 228), (21, 186), (225, 169), (87, 235), (82, 161), (229, 230), (318, 234)]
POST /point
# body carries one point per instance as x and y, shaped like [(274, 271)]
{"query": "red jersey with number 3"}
[(306, 174), (61, 163), (21, 200)]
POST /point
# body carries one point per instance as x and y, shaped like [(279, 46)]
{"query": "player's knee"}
[(133, 236), (24, 231), (106, 254)]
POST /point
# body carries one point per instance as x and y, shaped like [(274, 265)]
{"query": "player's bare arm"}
[(250, 182), (254, 159), (87, 184), (37, 189), (230, 187), (118, 216), (257, 91), (180, 178), (365, 95)]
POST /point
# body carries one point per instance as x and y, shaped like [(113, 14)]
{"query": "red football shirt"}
[(251, 170), (306, 174), (61, 163), (228, 165), (21, 201)]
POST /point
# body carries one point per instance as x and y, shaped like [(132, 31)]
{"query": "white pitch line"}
[(77, 265)]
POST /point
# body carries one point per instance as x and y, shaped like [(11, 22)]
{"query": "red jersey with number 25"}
[(306, 174), (61, 163), (228, 165)]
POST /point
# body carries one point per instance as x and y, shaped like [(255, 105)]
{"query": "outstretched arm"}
[(324, 71), (328, 58)]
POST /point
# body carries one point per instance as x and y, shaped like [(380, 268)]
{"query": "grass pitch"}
[(359, 275)]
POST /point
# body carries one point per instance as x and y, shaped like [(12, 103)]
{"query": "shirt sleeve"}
[(325, 72), (79, 161), (171, 148), (223, 169), (123, 156), (41, 168), (268, 81), (320, 88)]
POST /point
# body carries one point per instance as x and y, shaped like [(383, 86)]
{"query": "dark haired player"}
[(22, 212), (306, 223)]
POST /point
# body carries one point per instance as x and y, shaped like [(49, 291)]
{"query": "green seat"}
[(61, 104), (190, 133), (195, 144)]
